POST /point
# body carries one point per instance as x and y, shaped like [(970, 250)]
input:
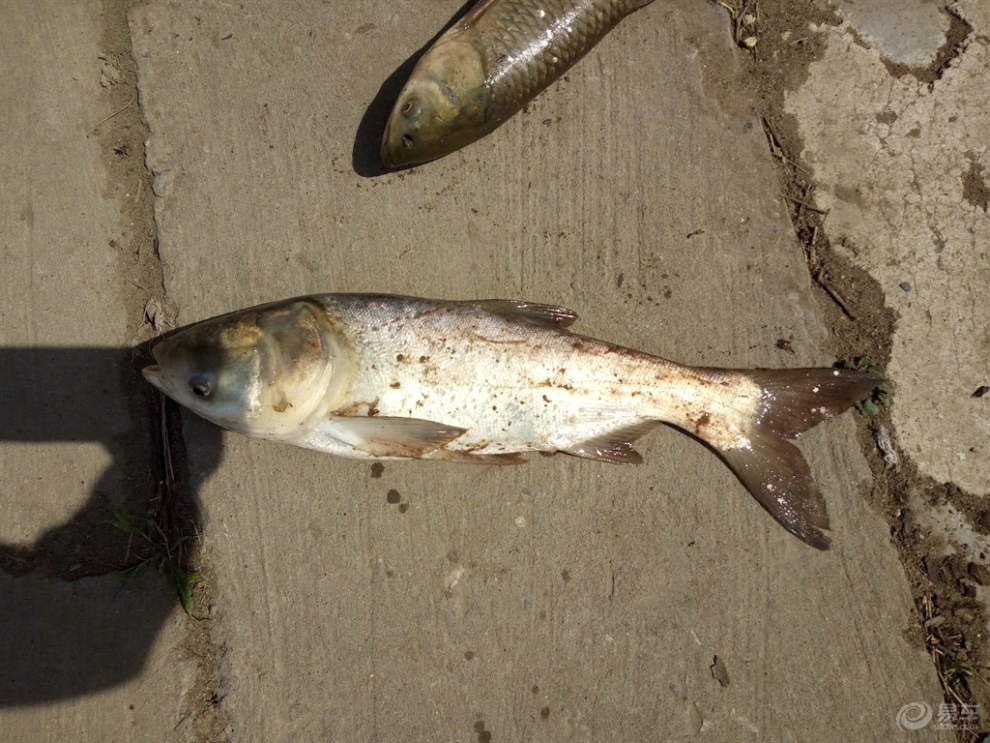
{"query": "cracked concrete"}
[(559, 600), (899, 164)]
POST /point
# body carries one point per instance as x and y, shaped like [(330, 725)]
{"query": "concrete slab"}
[(98, 659), (902, 170), (563, 598), (55, 243), (91, 659)]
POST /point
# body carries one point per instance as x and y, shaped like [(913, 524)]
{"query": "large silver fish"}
[(487, 66), (379, 376)]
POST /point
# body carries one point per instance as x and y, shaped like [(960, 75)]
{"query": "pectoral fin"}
[(391, 437)]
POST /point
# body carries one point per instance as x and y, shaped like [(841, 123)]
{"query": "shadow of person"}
[(366, 153), (71, 622)]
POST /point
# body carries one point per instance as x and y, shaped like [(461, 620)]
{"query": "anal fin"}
[(466, 457), (615, 446)]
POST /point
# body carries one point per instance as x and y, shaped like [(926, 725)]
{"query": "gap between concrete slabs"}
[(88, 655)]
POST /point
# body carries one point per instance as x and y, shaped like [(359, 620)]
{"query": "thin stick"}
[(805, 204), (166, 448), (823, 283), (114, 114)]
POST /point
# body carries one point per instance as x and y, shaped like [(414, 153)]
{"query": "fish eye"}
[(201, 385)]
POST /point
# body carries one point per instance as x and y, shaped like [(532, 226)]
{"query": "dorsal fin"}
[(547, 315)]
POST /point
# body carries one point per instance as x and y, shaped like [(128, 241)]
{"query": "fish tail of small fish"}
[(772, 468)]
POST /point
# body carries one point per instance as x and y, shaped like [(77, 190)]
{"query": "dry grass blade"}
[(118, 111), (162, 544)]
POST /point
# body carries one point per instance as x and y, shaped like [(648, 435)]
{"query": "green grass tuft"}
[(162, 557)]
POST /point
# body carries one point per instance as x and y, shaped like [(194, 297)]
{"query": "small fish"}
[(487, 66), (386, 377)]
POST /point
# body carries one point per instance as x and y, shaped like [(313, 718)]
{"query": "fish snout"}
[(153, 374), (398, 140)]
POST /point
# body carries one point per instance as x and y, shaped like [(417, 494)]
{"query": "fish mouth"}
[(153, 374), (394, 142)]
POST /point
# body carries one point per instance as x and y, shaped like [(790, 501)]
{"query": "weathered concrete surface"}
[(909, 32), (903, 168), (93, 659), (564, 598)]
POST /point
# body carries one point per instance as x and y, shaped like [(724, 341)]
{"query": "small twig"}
[(775, 149), (733, 12), (811, 249), (104, 121), (743, 12), (805, 204), (823, 283)]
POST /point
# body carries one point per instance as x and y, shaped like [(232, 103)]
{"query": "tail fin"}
[(774, 470)]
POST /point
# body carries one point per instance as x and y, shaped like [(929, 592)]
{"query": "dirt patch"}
[(950, 623), (976, 189)]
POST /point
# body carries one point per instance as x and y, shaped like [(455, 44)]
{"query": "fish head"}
[(442, 107), (267, 371)]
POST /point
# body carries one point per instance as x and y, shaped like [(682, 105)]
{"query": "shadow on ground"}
[(72, 621)]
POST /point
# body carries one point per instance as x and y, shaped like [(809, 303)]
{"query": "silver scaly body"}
[(379, 376)]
